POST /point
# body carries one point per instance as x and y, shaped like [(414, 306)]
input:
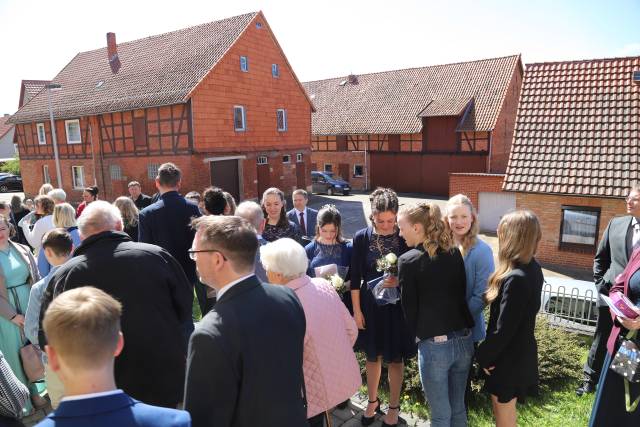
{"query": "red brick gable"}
[(577, 129)]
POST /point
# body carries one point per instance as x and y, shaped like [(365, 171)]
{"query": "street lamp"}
[(50, 87)]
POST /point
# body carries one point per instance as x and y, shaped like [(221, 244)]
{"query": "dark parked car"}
[(9, 182), (325, 182)]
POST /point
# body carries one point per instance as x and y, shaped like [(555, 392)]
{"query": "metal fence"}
[(570, 308)]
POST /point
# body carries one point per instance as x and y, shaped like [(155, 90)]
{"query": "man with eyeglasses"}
[(620, 238), (244, 366)]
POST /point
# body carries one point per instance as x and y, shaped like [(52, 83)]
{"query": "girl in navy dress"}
[(328, 245), (383, 334)]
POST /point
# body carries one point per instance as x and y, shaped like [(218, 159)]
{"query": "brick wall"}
[(470, 184), (502, 135), (548, 209), (33, 178), (335, 158)]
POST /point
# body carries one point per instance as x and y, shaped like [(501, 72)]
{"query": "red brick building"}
[(220, 100), (576, 151), (408, 129)]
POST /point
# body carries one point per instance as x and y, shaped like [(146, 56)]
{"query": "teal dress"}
[(16, 273)]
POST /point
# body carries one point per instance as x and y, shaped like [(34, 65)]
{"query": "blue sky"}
[(326, 38)]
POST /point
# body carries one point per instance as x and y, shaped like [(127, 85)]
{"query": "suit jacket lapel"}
[(622, 236)]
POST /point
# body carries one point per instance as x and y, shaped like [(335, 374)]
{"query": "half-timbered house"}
[(409, 129)]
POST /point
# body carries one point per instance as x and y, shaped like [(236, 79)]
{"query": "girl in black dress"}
[(509, 355), (129, 213), (277, 225), (383, 334)]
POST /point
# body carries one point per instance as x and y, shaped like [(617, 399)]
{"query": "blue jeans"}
[(444, 367)]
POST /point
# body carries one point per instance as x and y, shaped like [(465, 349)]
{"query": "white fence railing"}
[(573, 309)]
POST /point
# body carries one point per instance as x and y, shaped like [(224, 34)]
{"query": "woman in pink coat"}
[(331, 371)]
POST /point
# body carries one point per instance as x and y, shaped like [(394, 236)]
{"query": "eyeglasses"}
[(192, 253)]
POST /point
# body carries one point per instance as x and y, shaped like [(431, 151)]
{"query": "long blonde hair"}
[(64, 216), (469, 239), (436, 235), (128, 210), (518, 237)]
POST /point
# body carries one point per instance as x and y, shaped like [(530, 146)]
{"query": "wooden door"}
[(225, 174), (343, 171), (301, 175), (264, 180)]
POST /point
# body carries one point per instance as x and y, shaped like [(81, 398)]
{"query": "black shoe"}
[(369, 420), (384, 424), (585, 388)]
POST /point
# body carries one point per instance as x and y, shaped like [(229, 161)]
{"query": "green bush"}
[(558, 359), (11, 166)]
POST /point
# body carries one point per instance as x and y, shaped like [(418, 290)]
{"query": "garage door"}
[(492, 206)]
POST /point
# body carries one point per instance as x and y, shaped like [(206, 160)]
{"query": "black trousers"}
[(598, 350), (318, 420)]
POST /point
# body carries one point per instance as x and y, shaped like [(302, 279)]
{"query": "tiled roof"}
[(4, 126), (157, 70), (391, 101), (578, 129), (29, 89), (445, 107)]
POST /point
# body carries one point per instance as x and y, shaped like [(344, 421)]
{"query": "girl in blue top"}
[(478, 260)]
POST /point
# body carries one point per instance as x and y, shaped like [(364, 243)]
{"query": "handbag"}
[(626, 363), (30, 355)]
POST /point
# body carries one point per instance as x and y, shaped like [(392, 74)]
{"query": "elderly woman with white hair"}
[(331, 371)]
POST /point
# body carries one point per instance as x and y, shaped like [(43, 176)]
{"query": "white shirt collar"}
[(299, 212), (230, 285), (91, 395)]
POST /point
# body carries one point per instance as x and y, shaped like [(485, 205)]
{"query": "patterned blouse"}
[(274, 232)]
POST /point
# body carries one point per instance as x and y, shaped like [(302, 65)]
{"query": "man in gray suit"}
[(620, 238), (305, 217)]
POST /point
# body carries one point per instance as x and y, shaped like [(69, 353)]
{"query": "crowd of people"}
[(103, 295)]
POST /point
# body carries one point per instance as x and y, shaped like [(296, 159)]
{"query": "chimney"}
[(6, 115), (353, 79), (112, 53)]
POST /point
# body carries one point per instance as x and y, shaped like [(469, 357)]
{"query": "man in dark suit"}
[(84, 361), (155, 294), (620, 238), (139, 199), (244, 367), (306, 218), (166, 223)]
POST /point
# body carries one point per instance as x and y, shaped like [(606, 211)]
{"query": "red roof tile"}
[(29, 89), (157, 70), (4, 126), (391, 101), (578, 129)]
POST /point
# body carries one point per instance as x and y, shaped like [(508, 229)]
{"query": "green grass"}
[(556, 406)]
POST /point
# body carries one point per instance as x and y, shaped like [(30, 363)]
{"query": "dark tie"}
[(302, 227)]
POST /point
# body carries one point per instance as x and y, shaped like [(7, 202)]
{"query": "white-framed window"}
[(263, 160), (42, 135), (116, 172), (286, 158), (299, 157), (72, 128), (358, 170), (244, 64), (275, 71), (281, 118), (328, 167), (46, 178), (152, 170), (77, 175), (239, 118)]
